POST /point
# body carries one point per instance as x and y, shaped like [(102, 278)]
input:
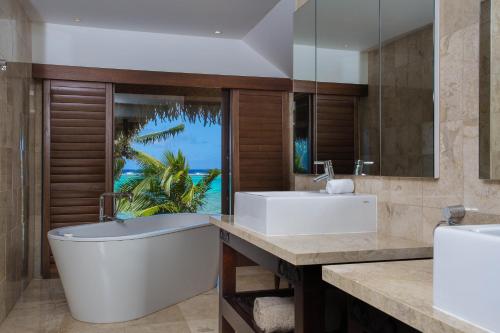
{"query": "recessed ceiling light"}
[(218, 32), (76, 19)]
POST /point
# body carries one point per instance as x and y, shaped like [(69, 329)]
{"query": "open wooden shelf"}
[(238, 308)]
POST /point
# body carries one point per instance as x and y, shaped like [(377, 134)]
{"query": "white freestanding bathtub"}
[(114, 272)]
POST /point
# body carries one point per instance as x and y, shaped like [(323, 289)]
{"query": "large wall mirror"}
[(489, 85), (364, 86)]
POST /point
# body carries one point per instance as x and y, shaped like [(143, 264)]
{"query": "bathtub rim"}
[(52, 234)]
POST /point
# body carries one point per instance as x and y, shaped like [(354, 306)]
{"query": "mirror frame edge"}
[(437, 55)]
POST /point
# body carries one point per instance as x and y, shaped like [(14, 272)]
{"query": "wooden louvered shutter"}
[(78, 136), (336, 131), (260, 140)]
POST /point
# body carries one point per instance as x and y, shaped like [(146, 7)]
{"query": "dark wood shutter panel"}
[(77, 154), (260, 132), (336, 131)]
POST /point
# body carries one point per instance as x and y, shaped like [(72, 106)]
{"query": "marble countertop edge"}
[(359, 292), (386, 287), (302, 250)]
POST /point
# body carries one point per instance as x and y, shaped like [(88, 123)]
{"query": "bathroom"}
[(352, 187)]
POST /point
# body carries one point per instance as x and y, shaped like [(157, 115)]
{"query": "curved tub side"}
[(136, 228), (117, 281)]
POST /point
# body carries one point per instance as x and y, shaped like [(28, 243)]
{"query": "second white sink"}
[(305, 213), (467, 273)]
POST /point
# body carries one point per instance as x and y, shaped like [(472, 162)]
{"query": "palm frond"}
[(130, 184), (148, 163), (210, 177), (160, 209), (165, 186), (118, 168), (160, 135)]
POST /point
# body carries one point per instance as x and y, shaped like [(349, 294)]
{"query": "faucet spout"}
[(329, 174), (320, 178), (359, 167), (114, 195)]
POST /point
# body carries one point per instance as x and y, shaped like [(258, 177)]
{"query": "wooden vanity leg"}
[(227, 281), (224, 326), (309, 301), (277, 281)]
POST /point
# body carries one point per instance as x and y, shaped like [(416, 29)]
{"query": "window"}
[(167, 150)]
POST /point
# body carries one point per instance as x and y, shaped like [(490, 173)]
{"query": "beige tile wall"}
[(369, 115), (411, 208), (407, 84), (15, 247)]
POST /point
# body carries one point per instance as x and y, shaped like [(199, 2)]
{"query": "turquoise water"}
[(301, 157), (212, 200)]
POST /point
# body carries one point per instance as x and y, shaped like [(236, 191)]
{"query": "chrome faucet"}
[(359, 167), (328, 175), (114, 195), (452, 215)]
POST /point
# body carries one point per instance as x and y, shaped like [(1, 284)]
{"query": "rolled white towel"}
[(274, 314), (340, 186)]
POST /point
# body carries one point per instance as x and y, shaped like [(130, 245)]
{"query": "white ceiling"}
[(235, 18), (353, 24)]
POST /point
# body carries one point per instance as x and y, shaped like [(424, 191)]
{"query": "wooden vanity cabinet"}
[(236, 309), (363, 318), (319, 307)]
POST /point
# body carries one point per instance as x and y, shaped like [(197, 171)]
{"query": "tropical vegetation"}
[(123, 146), (301, 156), (164, 186)]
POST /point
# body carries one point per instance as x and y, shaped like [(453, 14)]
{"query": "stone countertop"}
[(329, 249), (402, 289)]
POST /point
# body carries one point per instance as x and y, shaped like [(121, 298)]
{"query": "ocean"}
[(212, 200)]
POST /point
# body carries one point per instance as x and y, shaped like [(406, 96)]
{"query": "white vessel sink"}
[(305, 213), (467, 273)]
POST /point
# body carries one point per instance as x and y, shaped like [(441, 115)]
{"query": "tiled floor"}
[(43, 309)]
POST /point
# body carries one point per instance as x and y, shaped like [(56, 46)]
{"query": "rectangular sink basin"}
[(305, 213), (467, 274)]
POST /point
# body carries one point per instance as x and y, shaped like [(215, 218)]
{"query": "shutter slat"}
[(78, 115)]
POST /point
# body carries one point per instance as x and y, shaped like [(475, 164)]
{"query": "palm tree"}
[(123, 145), (165, 186)]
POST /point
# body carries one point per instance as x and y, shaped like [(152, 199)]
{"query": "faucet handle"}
[(328, 167), (359, 162), (325, 163), (454, 214)]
